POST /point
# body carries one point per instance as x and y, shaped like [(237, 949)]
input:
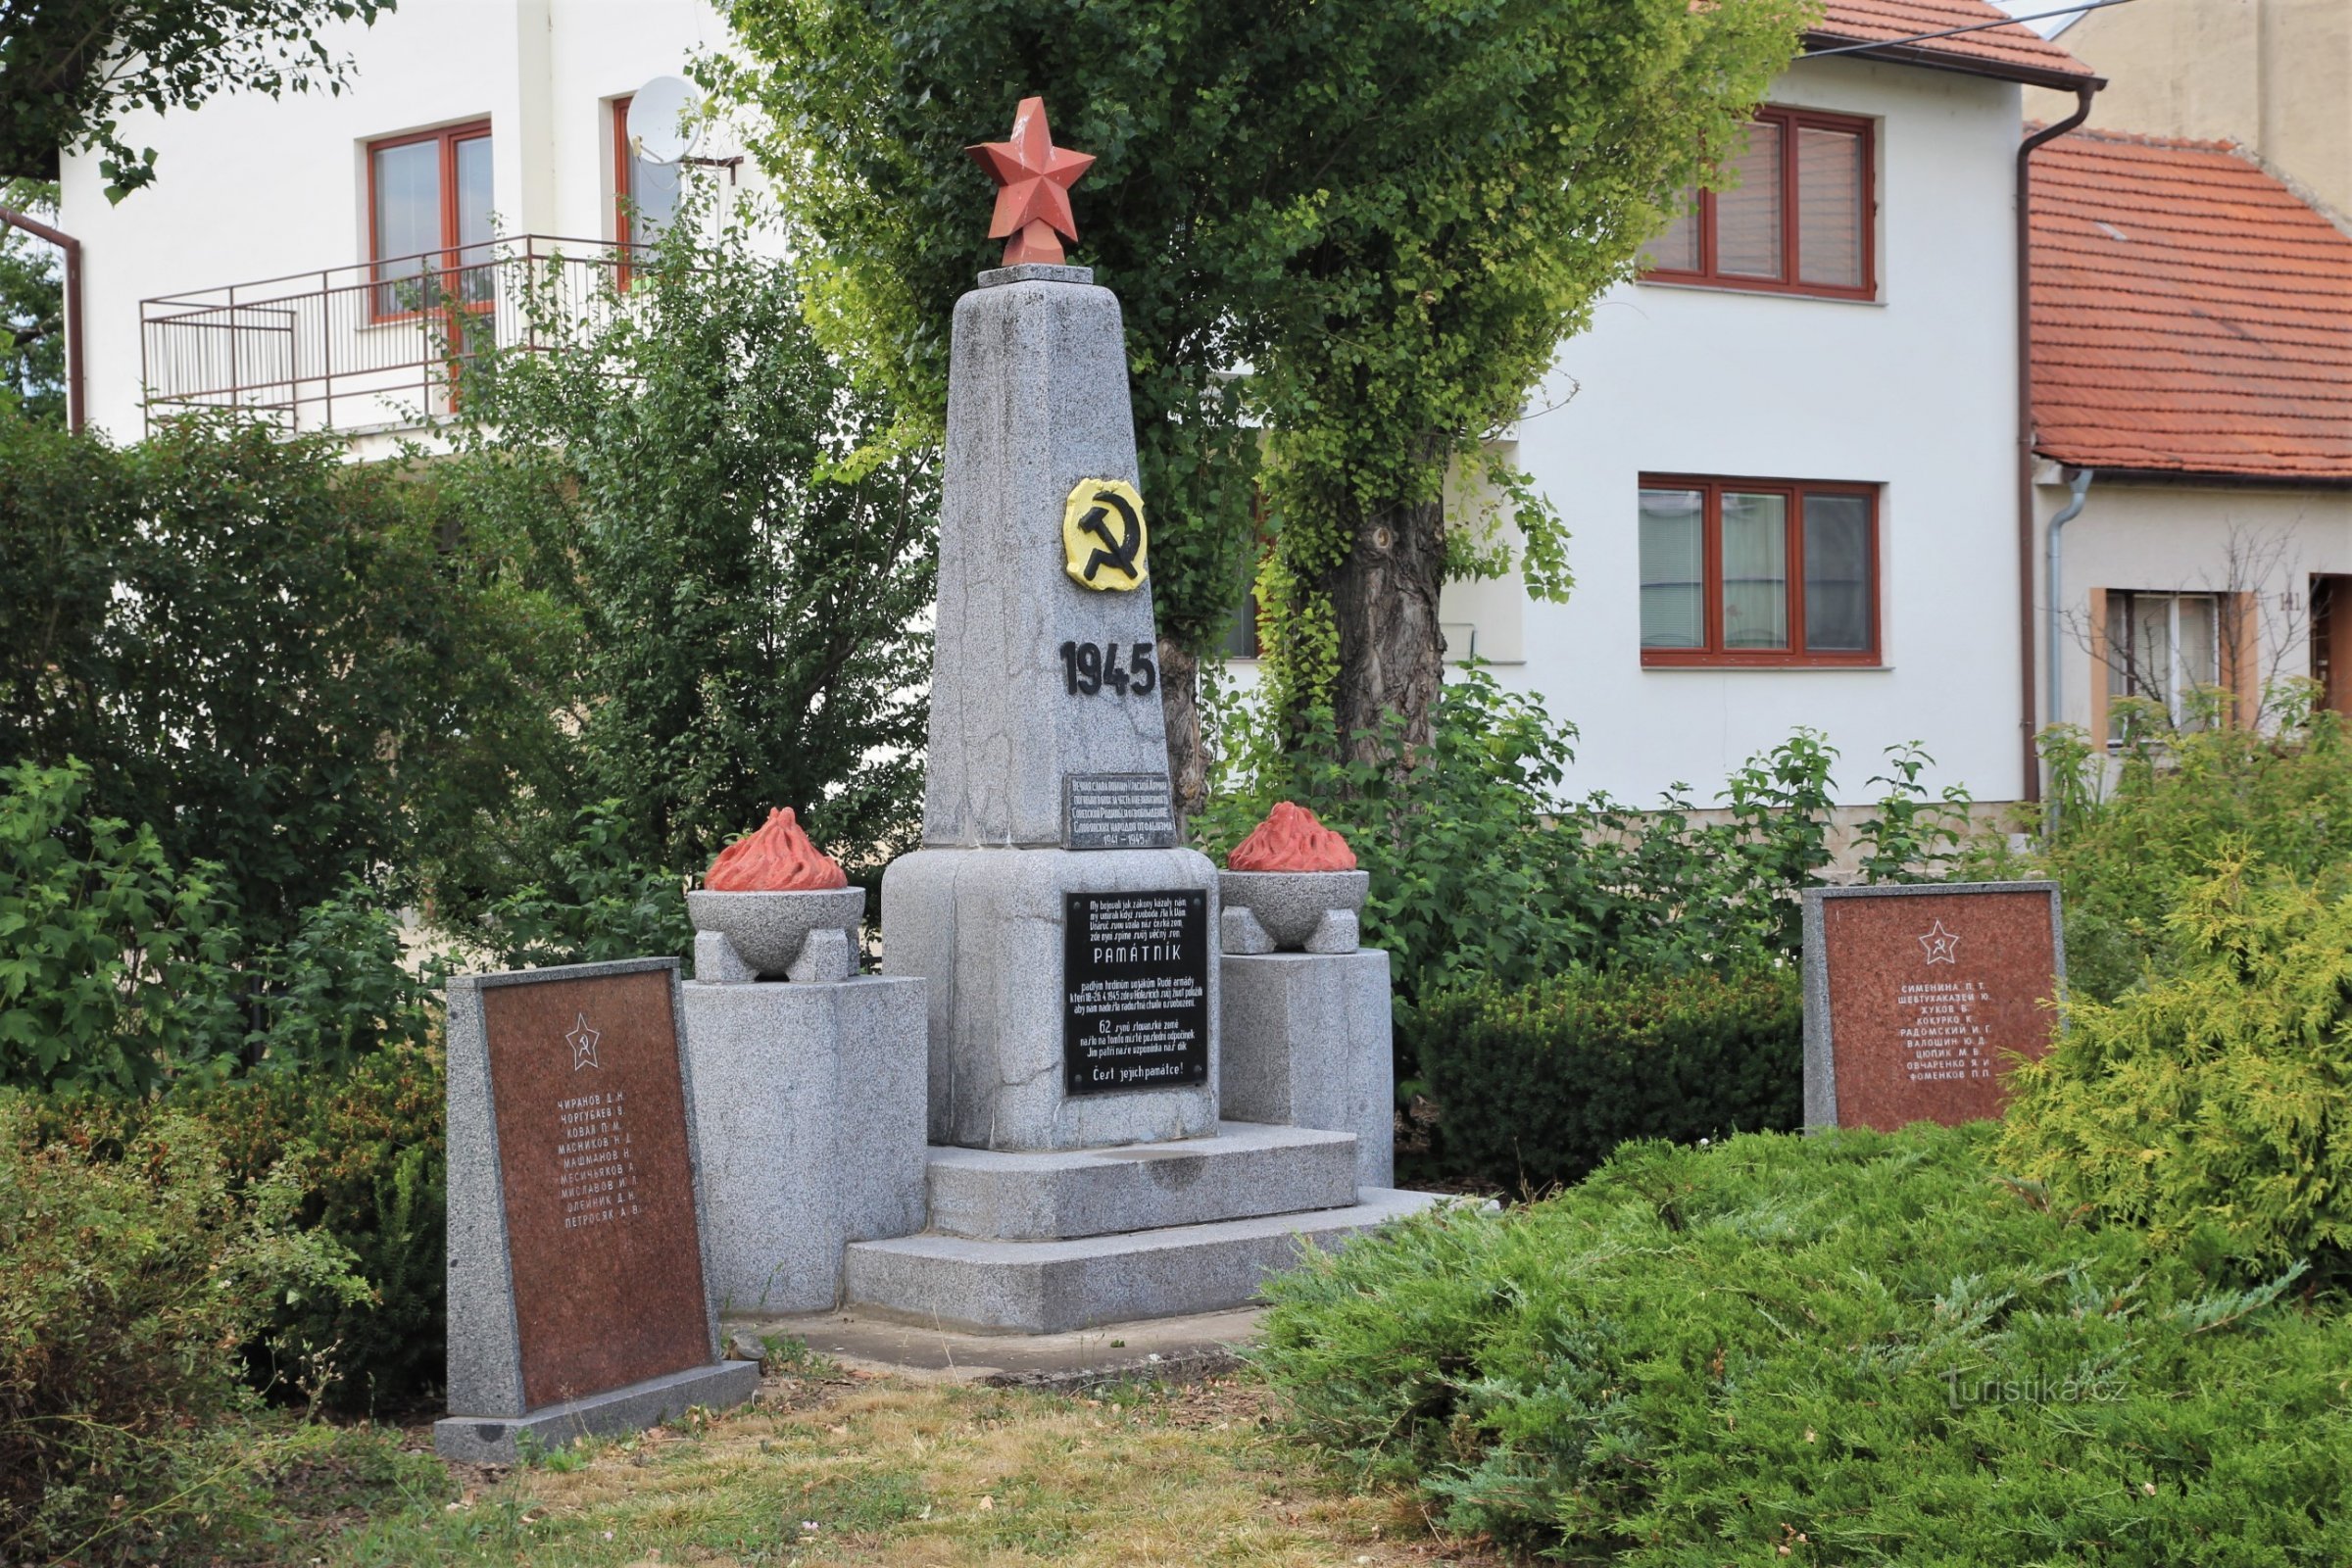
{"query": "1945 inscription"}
[(1134, 990)]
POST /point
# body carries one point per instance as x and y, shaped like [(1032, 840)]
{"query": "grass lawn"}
[(842, 1469)]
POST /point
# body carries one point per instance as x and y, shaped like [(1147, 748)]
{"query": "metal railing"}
[(380, 346)]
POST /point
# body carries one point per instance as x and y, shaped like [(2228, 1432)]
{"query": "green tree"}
[(676, 470), (75, 66), (1390, 211), (292, 666), (32, 311)]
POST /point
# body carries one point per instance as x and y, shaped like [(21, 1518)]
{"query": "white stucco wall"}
[(249, 188), (2190, 538), (1914, 392)]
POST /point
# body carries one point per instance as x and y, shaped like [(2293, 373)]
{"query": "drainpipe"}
[(2053, 578), (2025, 430), (72, 249)]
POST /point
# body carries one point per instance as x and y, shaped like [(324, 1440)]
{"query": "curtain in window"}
[(2162, 647), (1830, 207), (1676, 248), (654, 189), (1837, 575), (1748, 218), (1674, 568), (474, 220), (408, 219), (1755, 570)]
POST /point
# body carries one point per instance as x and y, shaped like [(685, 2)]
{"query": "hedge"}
[(1535, 1086)]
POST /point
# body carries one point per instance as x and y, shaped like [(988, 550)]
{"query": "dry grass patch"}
[(893, 1473)]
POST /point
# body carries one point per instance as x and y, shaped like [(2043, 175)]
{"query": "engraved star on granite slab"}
[(1940, 946), (582, 1040)]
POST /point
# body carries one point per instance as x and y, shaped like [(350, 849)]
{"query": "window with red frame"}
[(1798, 221), (430, 217), (1758, 571), (645, 195)]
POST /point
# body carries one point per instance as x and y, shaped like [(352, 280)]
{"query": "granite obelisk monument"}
[(1079, 1172), (1064, 935)]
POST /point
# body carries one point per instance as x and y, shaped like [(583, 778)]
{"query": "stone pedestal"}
[(1306, 1043), (984, 929), (808, 1111)]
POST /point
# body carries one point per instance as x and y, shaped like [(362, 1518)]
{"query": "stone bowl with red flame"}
[(768, 892), (1291, 886)]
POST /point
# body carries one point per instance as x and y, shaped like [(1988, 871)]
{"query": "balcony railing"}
[(382, 346)]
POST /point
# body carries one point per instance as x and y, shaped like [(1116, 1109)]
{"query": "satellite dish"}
[(665, 120)]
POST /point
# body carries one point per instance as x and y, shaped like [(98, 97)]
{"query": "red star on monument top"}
[(1033, 187)]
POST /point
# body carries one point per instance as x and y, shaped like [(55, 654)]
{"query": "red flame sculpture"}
[(1290, 838), (778, 859)]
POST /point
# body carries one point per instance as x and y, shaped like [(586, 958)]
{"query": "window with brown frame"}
[(1800, 220), (429, 218), (645, 195), (1758, 571)]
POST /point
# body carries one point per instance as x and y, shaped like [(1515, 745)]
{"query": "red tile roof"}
[(2010, 51), (2190, 314)]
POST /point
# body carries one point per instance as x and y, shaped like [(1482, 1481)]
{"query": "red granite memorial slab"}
[(599, 1182), (1918, 1001)]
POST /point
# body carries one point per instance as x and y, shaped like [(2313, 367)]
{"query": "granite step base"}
[(1244, 1171), (1052, 1286), (504, 1440)]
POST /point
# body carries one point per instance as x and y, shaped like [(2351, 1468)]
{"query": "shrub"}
[(126, 1284), (114, 968), (1479, 871), (366, 1152), (1854, 1347), (2131, 831), (292, 665), (120, 973), (2214, 1105), (599, 904), (752, 571), (1535, 1086), (341, 988)]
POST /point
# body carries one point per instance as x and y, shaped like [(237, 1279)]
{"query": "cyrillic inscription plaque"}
[(597, 1180), (1134, 990), (1919, 998), (1118, 811)]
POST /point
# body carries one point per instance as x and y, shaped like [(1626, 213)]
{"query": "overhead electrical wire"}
[(1953, 33)]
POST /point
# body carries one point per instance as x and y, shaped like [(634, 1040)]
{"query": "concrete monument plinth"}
[(809, 1107), (988, 930), (1307, 1041)]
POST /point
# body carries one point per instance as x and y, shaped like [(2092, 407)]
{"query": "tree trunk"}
[(1180, 702), (1384, 601)]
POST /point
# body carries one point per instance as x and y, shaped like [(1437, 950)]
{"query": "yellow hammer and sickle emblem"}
[(1103, 535)]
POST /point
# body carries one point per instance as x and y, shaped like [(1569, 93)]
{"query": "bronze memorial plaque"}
[(599, 1182), (1918, 999)]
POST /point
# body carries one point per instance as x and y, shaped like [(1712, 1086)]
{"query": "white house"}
[(276, 261), (1789, 453)]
